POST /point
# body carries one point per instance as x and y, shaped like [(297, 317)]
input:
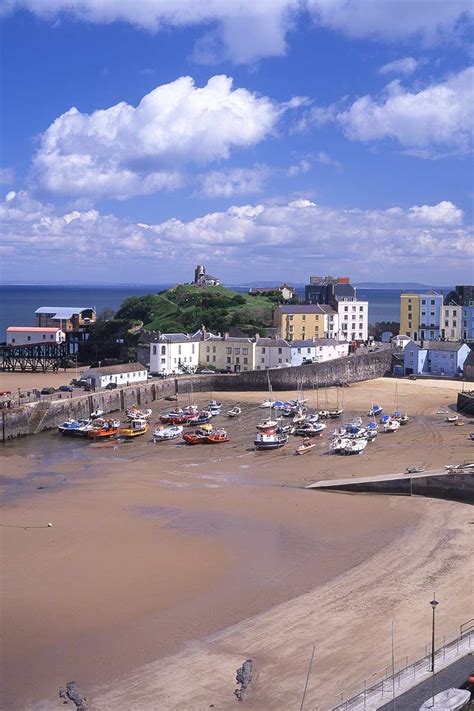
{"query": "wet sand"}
[(157, 549)]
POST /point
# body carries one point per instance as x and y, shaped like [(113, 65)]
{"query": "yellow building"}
[(298, 323), (409, 314), (227, 353)]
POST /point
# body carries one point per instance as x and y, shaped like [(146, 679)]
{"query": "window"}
[(423, 302), (290, 317), (154, 350), (432, 302), (228, 350), (213, 359), (213, 349), (279, 360), (308, 350), (229, 359), (262, 360), (361, 308), (236, 350), (263, 350), (207, 349), (353, 308), (179, 349), (29, 338), (192, 348), (163, 360), (303, 318), (446, 323), (245, 351), (237, 360), (246, 360), (280, 350), (346, 308)]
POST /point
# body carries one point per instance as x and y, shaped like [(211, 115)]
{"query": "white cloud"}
[(235, 181), (124, 150), (326, 159), (304, 166), (427, 239), (245, 30), (427, 122), (7, 176), (405, 66)]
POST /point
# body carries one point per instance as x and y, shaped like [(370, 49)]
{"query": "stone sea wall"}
[(42, 415)]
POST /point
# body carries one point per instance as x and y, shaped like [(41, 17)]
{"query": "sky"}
[(267, 140)]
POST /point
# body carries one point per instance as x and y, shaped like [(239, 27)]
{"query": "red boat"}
[(107, 428), (193, 438), (176, 418), (217, 437)]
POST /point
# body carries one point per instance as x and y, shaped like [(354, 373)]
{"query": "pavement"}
[(450, 677)]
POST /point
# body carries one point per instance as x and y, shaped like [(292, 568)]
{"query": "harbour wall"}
[(465, 403), (453, 486), (34, 417)]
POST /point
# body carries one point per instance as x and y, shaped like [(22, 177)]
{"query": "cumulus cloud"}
[(235, 181), (427, 122), (246, 31), (303, 166), (125, 150), (280, 236), (405, 66)]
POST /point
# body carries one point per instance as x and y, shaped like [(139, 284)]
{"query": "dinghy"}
[(448, 700), (306, 446), (235, 412), (163, 434)]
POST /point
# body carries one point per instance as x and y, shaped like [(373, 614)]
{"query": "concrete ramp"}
[(455, 485)]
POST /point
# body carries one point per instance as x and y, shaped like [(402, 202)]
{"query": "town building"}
[(353, 317), (467, 326), (125, 374), (400, 341), (172, 353), (420, 315), (435, 357), (300, 322), (203, 279), (230, 353), (287, 292), (272, 353), (465, 294), (468, 369), (26, 335), (67, 318), (317, 350), (326, 290), (451, 318)]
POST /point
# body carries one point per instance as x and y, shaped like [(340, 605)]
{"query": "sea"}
[(18, 303)]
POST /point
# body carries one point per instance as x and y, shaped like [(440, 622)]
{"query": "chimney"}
[(226, 336), (257, 337), (204, 332)]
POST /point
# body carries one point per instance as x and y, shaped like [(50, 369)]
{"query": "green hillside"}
[(186, 308)]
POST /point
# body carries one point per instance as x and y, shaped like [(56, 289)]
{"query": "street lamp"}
[(433, 604)]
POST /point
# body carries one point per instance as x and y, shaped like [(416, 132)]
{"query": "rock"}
[(243, 677)]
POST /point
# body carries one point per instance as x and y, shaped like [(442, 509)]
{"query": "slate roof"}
[(275, 342), (307, 309), (307, 343), (442, 345)]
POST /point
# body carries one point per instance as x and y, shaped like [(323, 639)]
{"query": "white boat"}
[(324, 414), (391, 426), (375, 411), (163, 434), (307, 446), (270, 440), (447, 700), (235, 412), (267, 403), (134, 413), (334, 414), (452, 418), (354, 446), (338, 445), (267, 425), (310, 429), (95, 414)]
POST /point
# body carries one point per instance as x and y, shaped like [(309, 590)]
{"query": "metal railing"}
[(388, 686)]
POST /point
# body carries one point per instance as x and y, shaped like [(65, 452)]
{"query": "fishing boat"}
[(323, 414), (205, 429), (312, 417), (384, 419), (354, 446), (106, 428), (191, 409), (306, 446), (134, 413), (459, 423), (404, 419), (285, 429), (85, 426), (163, 434), (135, 428), (217, 437), (451, 418), (375, 411), (334, 414), (270, 440), (338, 444), (471, 436), (95, 414), (235, 412), (268, 425), (194, 438), (448, 700), (214, 409), (391, 426), (177, 417), (69, 427), (267, 403)]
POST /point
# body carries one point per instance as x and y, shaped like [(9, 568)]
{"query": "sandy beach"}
[(167, 566)]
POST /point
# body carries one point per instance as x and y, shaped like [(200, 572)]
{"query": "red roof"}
[(34, 329)]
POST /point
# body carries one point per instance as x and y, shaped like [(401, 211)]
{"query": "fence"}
[(388, 686)]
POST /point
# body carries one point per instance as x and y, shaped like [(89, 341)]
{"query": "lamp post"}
[(433, 604)]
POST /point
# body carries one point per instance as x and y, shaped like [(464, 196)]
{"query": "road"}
[(453, 676)]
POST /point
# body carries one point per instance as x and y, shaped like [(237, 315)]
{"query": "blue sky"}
[(266, 140)]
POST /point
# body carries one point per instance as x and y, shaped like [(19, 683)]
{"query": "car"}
[(111, 386), (207, 371), (66, 388), (48, 391), (80, 383)]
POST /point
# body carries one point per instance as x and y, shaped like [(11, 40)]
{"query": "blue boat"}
[(71, 426), (375, 411)]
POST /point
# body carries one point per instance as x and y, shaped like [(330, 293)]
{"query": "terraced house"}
[(295, 322), (230, 353)]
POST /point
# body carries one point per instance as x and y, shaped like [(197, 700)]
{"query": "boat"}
[(134, 413), (204, 429), (268, 425), (213, 404), (471, 435), (107, 428), (451, 418), (375, 411), (312, 417), (338, 445), (191, 409), (323, 414), (414, 470), (69, 426), (194, 438), (286, 411), (334, 414), (404, 419), (306, 446), (85, 426), (310, 430), (235, 412), (135, 428), (217, 437), (447, 700), (270, 440), (286, 429), (200, 419), (384, 419), (95, 414), (163, 434), (214, 410), (354, 446), (459, 423), (391, 426), (456, 467), (177, 417), (267, 403)]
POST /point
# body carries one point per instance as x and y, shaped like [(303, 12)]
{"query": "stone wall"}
[(465, 403)]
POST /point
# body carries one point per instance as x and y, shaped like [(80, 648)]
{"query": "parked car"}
[(81, 383), (111, 386), (48, 391), (207, 371), (66, 388)]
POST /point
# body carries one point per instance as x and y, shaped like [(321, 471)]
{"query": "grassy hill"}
[(186, 308)]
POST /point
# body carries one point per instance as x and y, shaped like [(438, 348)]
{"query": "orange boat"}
[(218, 437), (107, 428), (194, 438)]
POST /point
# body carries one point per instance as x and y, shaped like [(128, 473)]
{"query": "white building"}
[(272, 353), (353, 319), (450, 322), (400, 341), (125, 374), (174, 353), (317, 350), (26, 335)]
